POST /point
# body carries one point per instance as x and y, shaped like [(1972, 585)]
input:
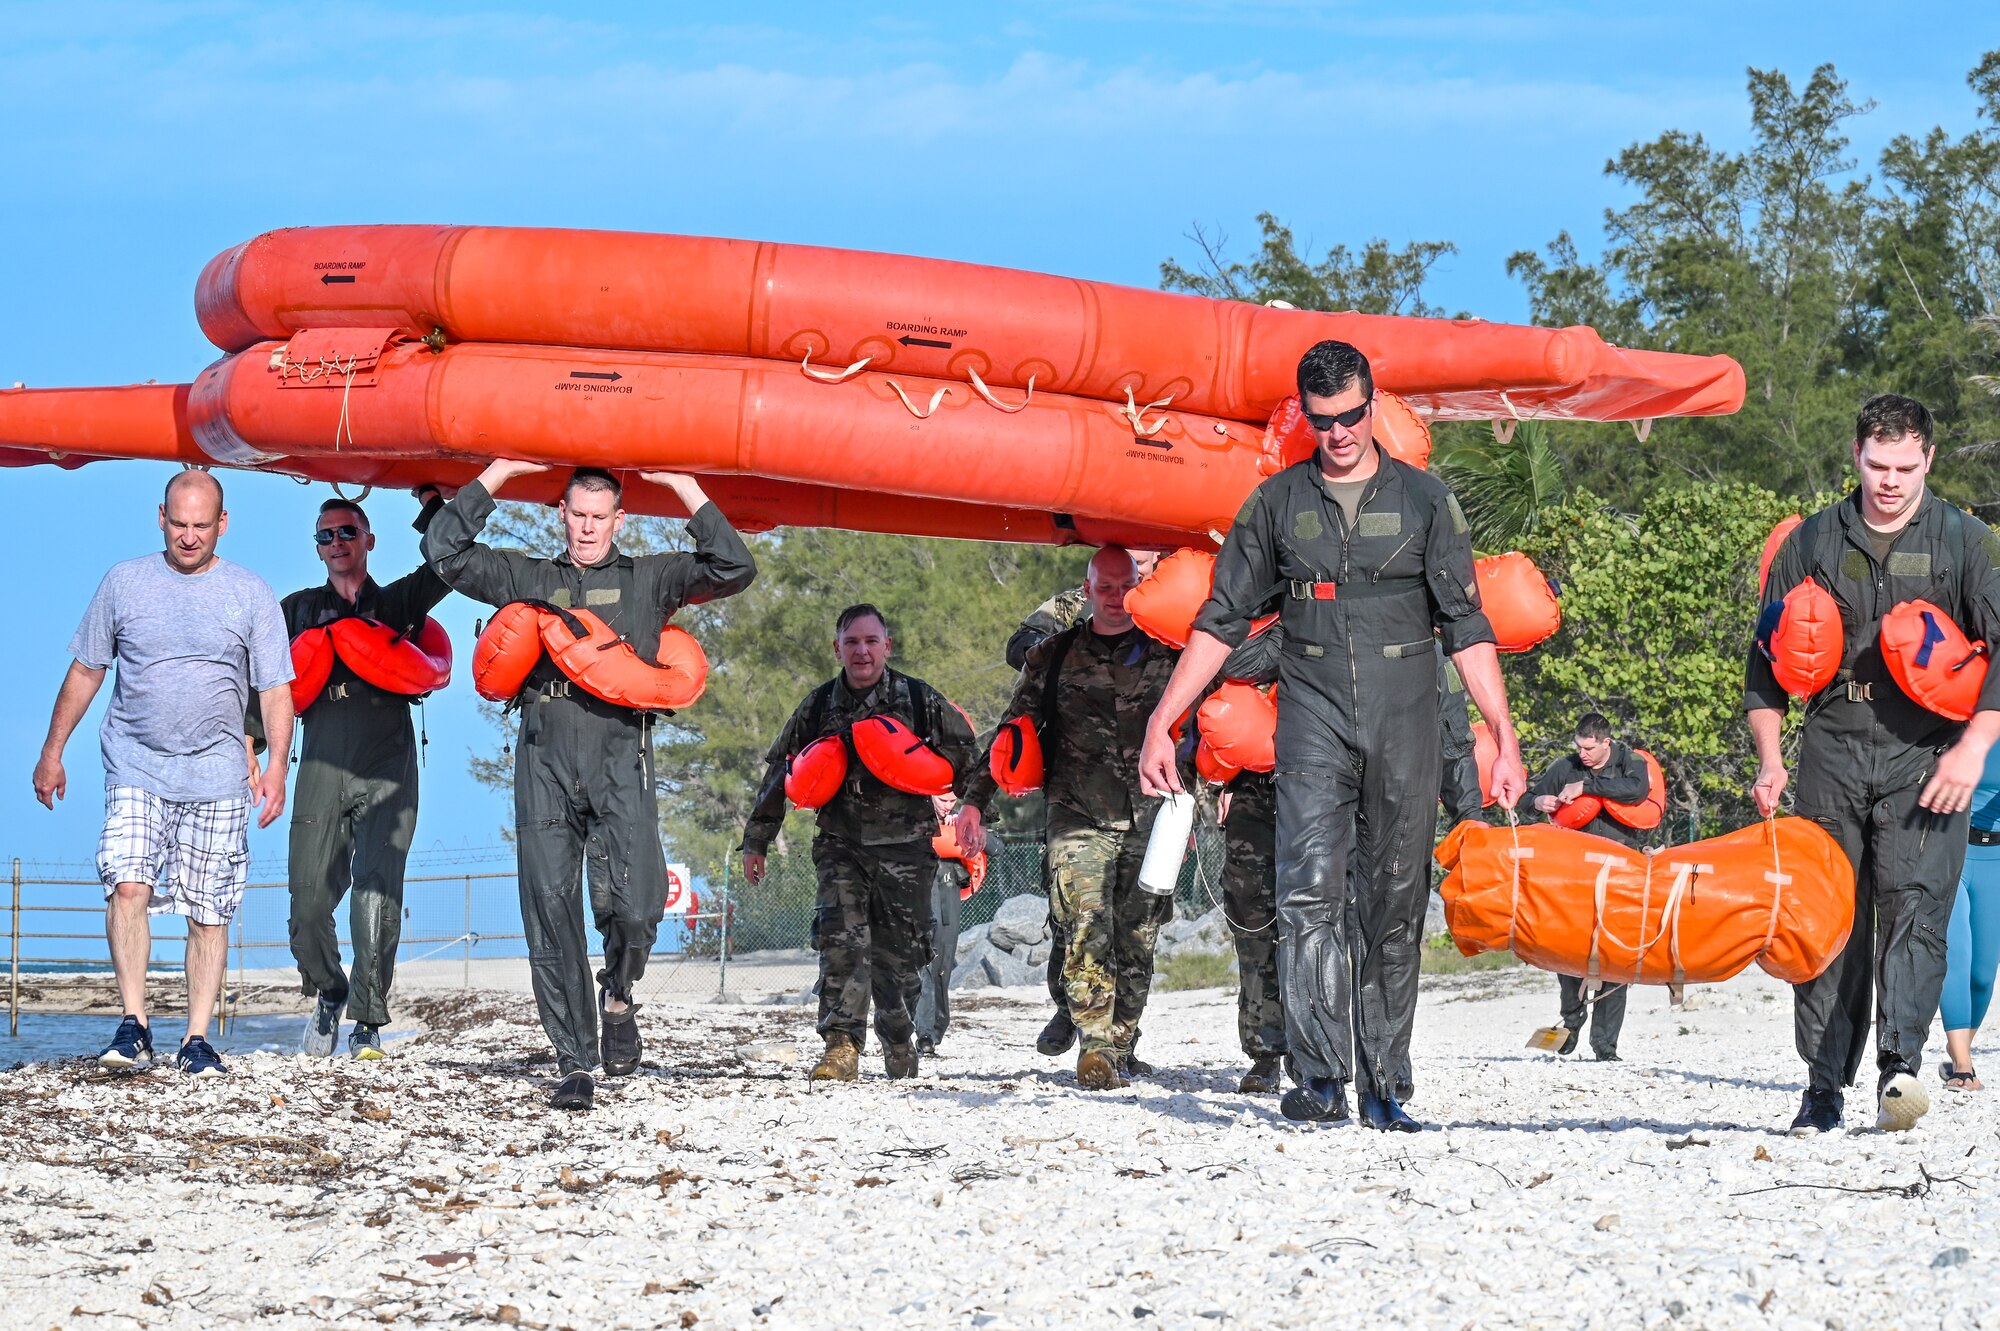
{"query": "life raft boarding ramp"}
[(1779, 893), (148, 422), (978, 327)]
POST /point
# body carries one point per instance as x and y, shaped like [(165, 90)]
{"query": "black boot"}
[(1819, 1111), (621, 1041), (577, 1091), (1056, 1037), (1321, 1100)]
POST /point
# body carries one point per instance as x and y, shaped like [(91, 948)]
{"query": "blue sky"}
[(1084, 139)]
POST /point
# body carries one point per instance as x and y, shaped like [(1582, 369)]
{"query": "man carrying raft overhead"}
[(1901, 710)]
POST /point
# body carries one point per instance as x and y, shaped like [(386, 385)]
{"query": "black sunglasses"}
[(1346, 420), (347, 531)]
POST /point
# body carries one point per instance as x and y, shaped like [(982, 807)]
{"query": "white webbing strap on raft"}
[(925, 414), (1778, 879), (833, 376), (1670, 914), (1518, 853), (979, 387), (1136, 414)]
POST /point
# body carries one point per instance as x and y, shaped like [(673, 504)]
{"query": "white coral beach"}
[(716, 1189)]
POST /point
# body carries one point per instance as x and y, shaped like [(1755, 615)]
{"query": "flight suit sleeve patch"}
[(1458, 523), (1249, 509), (1379, 524), (1991, 541)]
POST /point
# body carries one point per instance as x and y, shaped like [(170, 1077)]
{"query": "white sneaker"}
[(1904, 1100)]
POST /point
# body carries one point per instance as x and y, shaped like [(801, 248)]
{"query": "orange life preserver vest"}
[(945, 843), (411, 665), (1803, 638), (1643, 816), (1519, 602), (1772, 544), (1016, 760), (813, 774), (898, 757), (1239, 726), (1932, 660), (1779, 893), (1211, 767), (589, 655), (1166, 601)]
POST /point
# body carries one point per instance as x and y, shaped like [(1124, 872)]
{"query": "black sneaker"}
[(926, 1047), (366, 1043), (198, 1058), (577, 1092), (1321, 1100), (621, 1041), (322, 1035), (1819, 1111), (1056, 1037), (131, 1047)]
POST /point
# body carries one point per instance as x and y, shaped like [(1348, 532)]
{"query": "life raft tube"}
[(1932, 660), (1518, 600), (945, 844), (1643, 816), (1802, 637), (589, 654), (1772, 544), (411, 665), (1016, 759), (813, 774), (1779, 893), (1239, 726), (900, 760)]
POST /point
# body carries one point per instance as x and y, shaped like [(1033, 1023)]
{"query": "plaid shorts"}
[(194, 854)]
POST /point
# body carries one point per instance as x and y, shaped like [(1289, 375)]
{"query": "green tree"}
[(1658, 610), (1376, 281), (1506, 485)]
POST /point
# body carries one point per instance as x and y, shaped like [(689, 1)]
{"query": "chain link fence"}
[(462, 929)]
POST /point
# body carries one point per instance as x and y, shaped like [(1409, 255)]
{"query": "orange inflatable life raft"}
[(1016, 760), (1803, 638), (1932, 660), (898, 758), (411, 665), (1772, 544), (945, 844), (1779, 893), (1518, 601), (589, 654), (1643, 816), (813, 774), (1239, 726), (1403, 434)]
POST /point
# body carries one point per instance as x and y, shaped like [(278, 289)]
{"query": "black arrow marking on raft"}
[(923, 342), (611, 378), (330, 278)]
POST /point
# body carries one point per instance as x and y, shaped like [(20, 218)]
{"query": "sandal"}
[(1954, 1080)]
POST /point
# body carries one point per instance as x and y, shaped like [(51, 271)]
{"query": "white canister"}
[(1161, 871)]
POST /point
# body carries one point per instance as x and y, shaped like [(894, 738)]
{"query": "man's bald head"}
[(1111, 574), (192, 519)]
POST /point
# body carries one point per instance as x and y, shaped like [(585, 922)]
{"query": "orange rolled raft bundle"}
[(411, 665), (1780, 893), (589, 654)]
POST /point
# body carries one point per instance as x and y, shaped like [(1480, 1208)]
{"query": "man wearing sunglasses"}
[(354, 808), (1365, 558)]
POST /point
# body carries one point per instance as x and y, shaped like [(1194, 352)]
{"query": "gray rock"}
[(1022, 919), (971, 972), (1434, 917), (1208, 933), (1022, 953), (1952, 1257), (1038, 955), (1005, 971), (969, 940)]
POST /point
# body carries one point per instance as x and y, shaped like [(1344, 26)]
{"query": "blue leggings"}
[(1972, 946)]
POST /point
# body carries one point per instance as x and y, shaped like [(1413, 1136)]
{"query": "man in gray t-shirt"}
[(191, 634)]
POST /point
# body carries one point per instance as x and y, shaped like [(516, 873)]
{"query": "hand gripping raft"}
[(408, 664), (1780, 893), (589, 654)]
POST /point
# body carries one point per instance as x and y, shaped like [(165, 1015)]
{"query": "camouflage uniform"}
[(1250, 900), (872, 916), (1048, 619), (1098, 822)]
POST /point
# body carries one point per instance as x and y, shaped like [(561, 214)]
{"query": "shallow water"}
[(45, 1037)]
